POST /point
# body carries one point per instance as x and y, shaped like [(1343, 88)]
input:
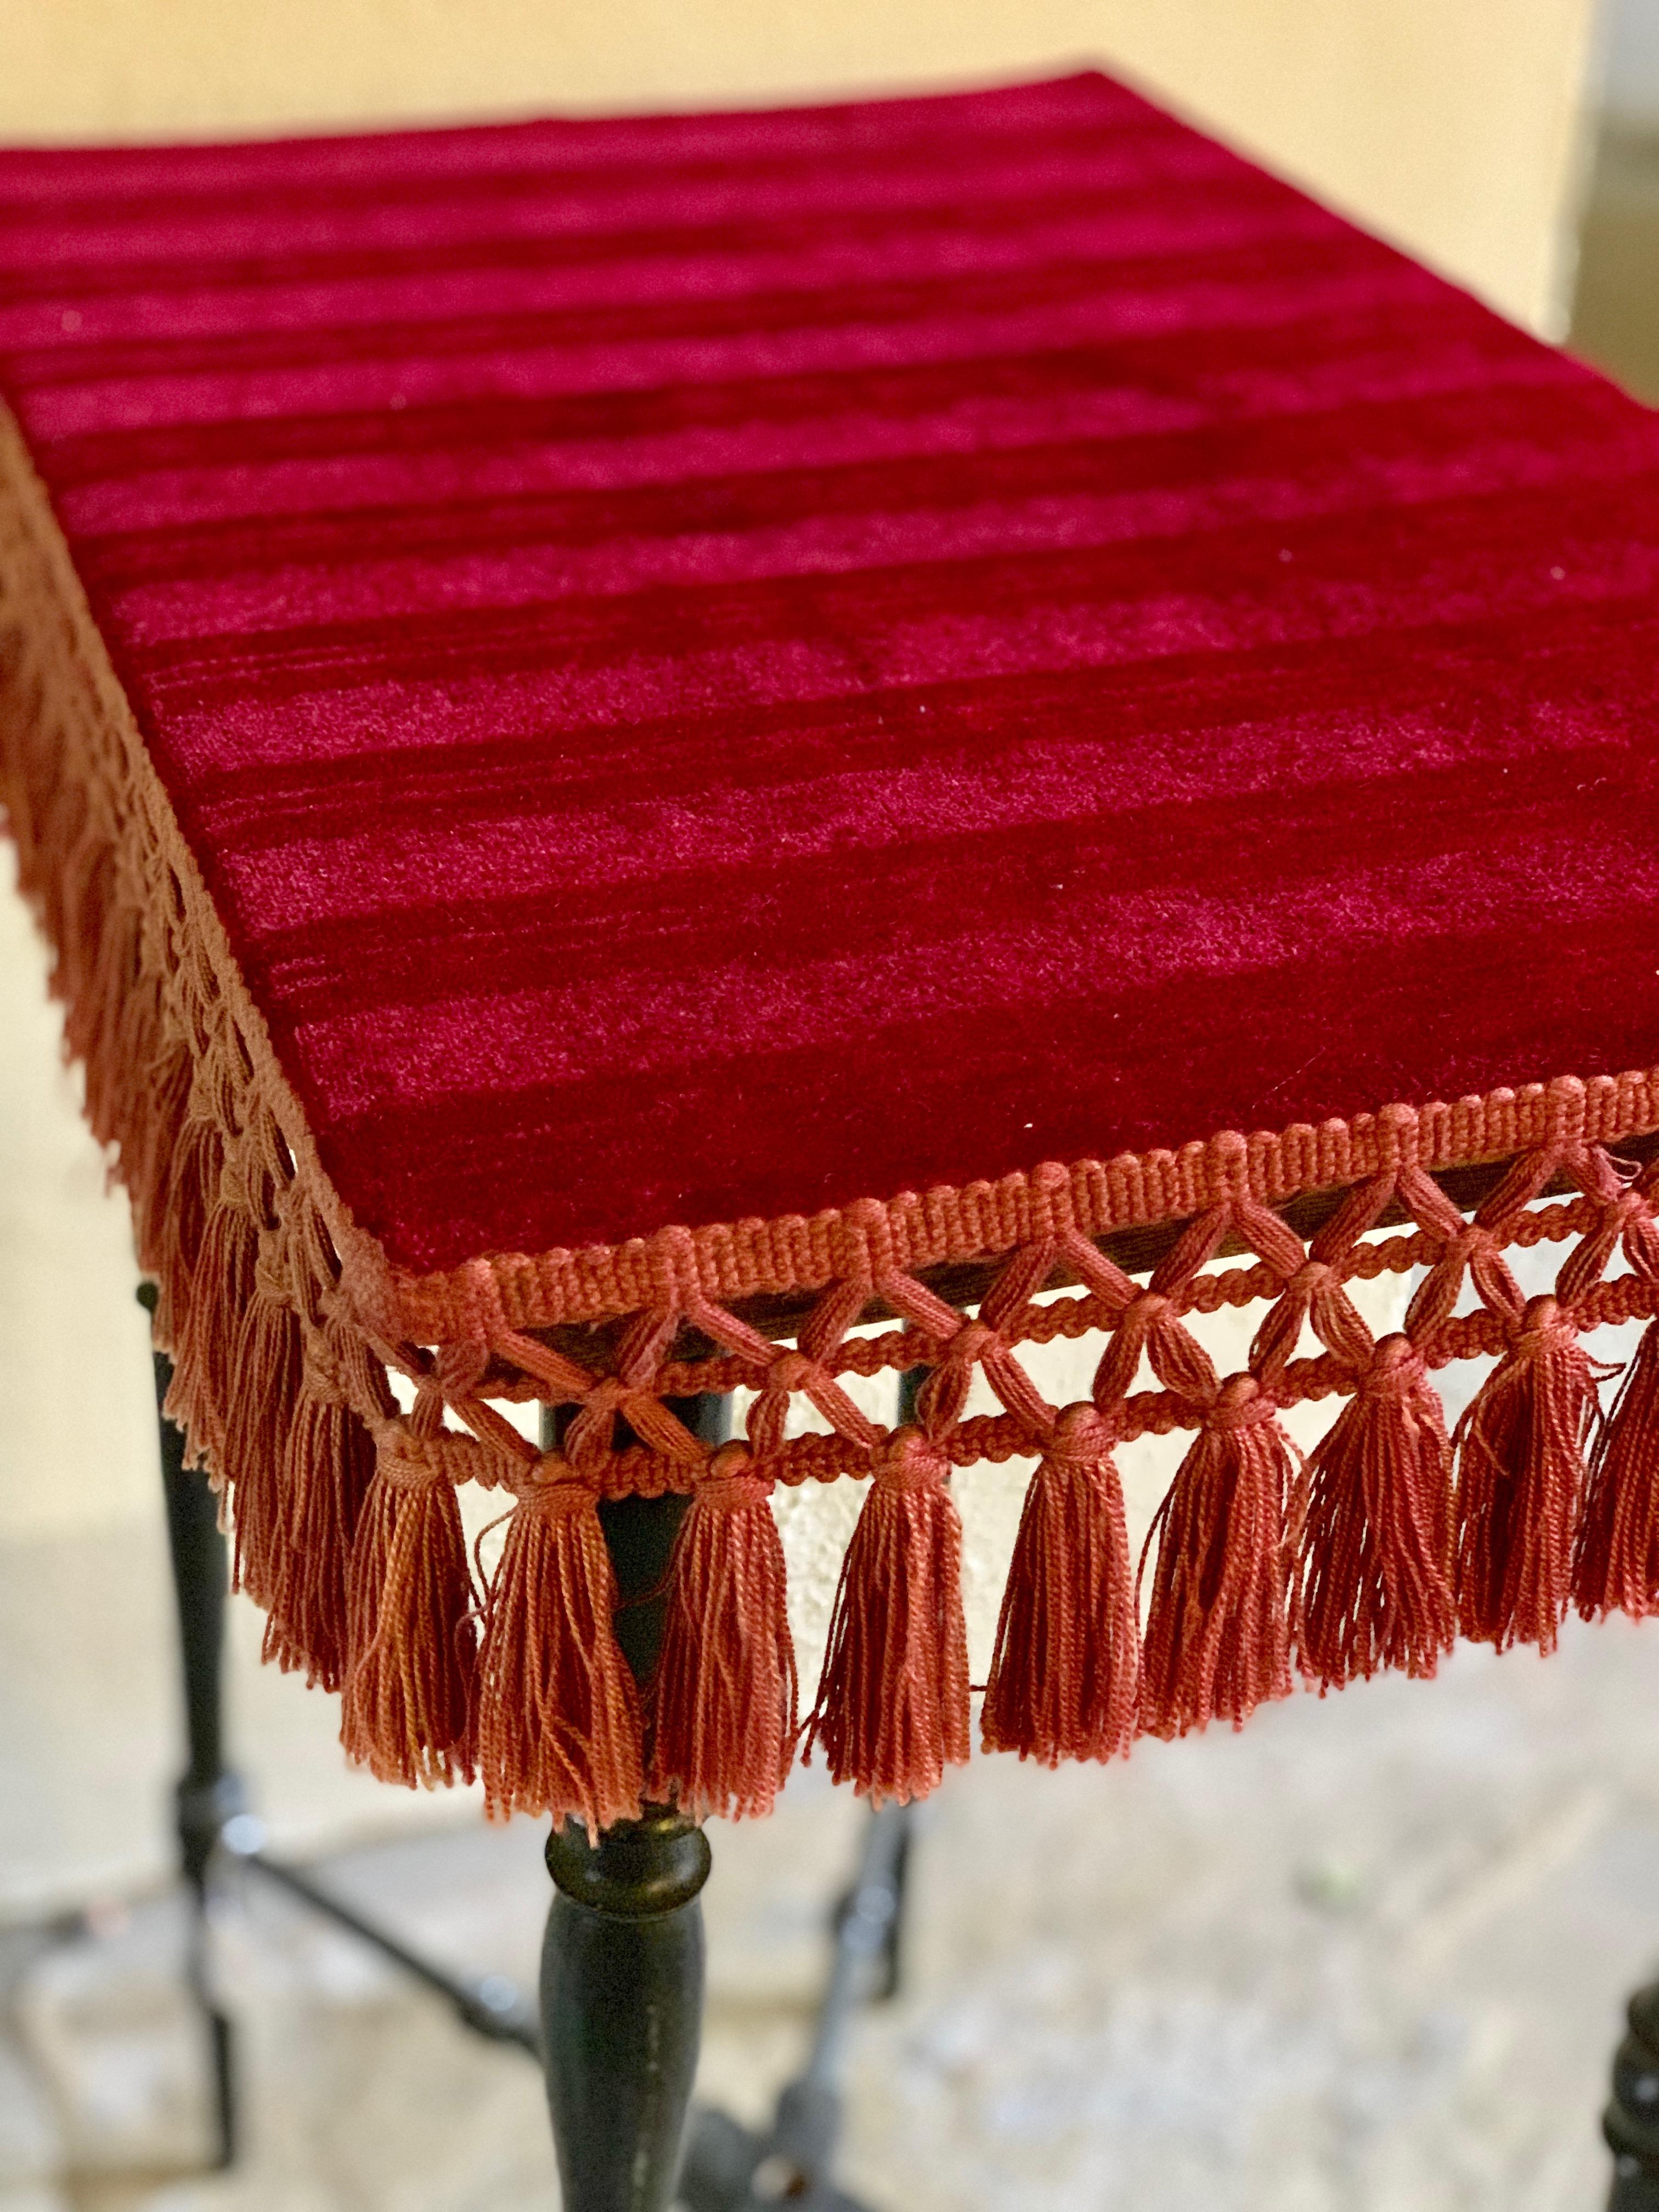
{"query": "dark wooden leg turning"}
[(622, 1967), (1630, 2122), (209, 1793), (621, 2007)]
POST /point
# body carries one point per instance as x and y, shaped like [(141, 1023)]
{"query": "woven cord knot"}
[(409, 1459), (1309, 1278), (1240, 1403), (1545, 1321), (1396, 1371), (1082, 1436), (271, 1278), (551, 1485), (733, 1481), (909, 1460), (792, 1371)]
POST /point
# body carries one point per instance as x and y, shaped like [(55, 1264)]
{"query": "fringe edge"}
[(180, 1069)]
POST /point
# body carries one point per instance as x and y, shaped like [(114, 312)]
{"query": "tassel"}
[(892, 1705), (1065, 1674), (178, 1228), (1218, 1633), (1616, 1564), (151, 1164), (326, 1471), (1520, 1480), (412, 1641), (1374, 1578), (100, 951), (209, 1327), (115, 1003), (264, 1399), (559, 1712), (724, 1696)]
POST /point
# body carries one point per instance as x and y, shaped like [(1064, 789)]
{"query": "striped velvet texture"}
[(643, 740)]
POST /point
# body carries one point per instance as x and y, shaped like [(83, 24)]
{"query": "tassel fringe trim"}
[(284, 1322)]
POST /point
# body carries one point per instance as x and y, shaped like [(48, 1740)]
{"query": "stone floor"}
[(1370, 1954)]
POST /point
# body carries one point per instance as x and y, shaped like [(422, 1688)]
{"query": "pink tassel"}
[(1374, 1584), (1065, 1675), (1218, 1632), (176, 1222), (892, 1707), (1616, 1564), (326, 1471), (559, 1715), (209, 1327), (1521, 1482), (412, 1642), (262, 1401), (724, 1698)]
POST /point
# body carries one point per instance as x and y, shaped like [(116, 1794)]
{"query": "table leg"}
[(208, 1793), (1630, 2122), (621, 2007), (622, 1963)]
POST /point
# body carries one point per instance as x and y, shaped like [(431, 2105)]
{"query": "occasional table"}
[(704, 754)]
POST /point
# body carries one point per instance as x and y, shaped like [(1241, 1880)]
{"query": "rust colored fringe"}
[(1374, 1576), (1218, 1632), (1520, 1480), (264, 1396), (1616, 1564), (152, 1162), (209, 1327), (109, 930), (326, 1472), (892, 1705), (559, 1728), (174, 1221), (412, 1641), (1065, 1674), (724, 1698)]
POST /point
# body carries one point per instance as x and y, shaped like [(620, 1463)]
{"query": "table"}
[(652, 744)]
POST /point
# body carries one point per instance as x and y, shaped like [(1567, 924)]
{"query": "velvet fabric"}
[(716, 666)]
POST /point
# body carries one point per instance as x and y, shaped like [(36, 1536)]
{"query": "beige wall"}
[(1451, 124)]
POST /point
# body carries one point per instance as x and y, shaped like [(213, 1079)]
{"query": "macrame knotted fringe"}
[(208, 1324), (1616, 1565), (110, 929), (411, 1640), (327, 1468), (892, 1705), (1217, 1630), (326, 1471), (1065, 1674), (1617, 1560), (1373, 1586), (724, 1703), (171, 1223), (152, 1162), (1521, 1482), (259, 1411), (559, 1726)]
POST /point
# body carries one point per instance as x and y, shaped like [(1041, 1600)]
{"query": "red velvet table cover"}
[(595, 703)]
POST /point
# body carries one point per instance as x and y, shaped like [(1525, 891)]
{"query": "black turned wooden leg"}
[(208, 1793), (621, 2007), (1630, 2122), (622, 1967)]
